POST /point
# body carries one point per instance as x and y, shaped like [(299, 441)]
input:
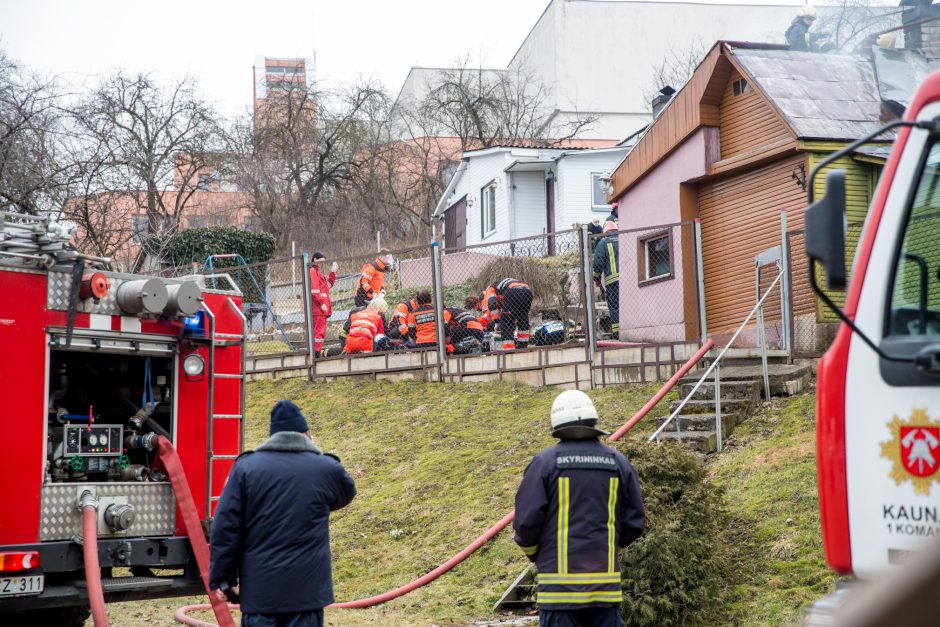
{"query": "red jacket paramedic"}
[(364, 325), (322, 305)]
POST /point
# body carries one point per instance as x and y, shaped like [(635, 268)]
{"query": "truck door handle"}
[(927, 360)]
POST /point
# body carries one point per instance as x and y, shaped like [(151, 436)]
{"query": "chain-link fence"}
[(646, 284), (523, 292), (274, 305), (814, 325)]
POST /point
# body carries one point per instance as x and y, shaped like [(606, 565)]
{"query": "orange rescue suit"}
[(402, 316), (364, 325), (371, 280), (425, 321)]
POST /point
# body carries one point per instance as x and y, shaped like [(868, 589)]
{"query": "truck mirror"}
[(825, 230)]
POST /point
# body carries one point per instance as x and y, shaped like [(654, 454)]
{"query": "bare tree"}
[(488, 107), (675, 68), (157, 139), (300, 155), (848, 22), (33, 171)]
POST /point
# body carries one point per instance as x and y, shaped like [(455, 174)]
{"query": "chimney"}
[(662, 99), (921, 20)]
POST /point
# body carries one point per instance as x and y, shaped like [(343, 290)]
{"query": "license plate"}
[(16, 586)]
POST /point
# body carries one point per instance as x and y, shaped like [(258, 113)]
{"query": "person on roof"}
[(606, 257), (322, 305), (579, 502), (372, 278), (365, 326), (798, 36)]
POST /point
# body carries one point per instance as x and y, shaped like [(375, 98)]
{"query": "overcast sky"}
[(217, 41)]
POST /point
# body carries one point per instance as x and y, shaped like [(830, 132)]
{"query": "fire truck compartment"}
[(104, 412)]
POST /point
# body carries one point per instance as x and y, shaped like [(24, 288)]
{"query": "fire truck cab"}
[(95, 366), (878, 404)]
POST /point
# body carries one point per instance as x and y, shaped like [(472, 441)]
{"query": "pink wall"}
[(455, 269), (655, 311)]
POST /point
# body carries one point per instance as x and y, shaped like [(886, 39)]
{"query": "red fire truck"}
[(878, 406), (96, 366)]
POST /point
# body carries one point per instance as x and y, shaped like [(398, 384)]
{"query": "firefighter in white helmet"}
[(798, 35), (579, 501)]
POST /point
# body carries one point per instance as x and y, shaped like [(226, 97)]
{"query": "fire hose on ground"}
[(182, 613)]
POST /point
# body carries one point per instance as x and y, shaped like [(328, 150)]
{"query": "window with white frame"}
[(599, 192), (488, 208), (655, 257)]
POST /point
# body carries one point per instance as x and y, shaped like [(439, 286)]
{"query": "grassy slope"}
[(769, 476), (438, 464)]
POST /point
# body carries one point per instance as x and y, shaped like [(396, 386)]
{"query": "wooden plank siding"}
[(676, 123), (860, 180), (740, 218), (748, 122)]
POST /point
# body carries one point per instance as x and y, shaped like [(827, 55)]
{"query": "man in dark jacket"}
[(270, 538), (579, 502)]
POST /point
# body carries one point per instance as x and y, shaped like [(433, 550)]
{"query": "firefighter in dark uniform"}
[(508, 302), (579, 501), (606, 256)]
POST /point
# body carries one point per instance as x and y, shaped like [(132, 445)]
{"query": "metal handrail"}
[(708, 371)]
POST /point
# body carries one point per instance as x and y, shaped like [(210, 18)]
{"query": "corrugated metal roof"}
[(822, 96)]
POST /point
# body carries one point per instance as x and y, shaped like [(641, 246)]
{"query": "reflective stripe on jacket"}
[(606, 256), (371, 279), (579, 501), (401, 316), (461, 318), (365, 322), (320, 291)]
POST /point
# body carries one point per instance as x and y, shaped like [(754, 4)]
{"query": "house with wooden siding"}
[(732, 150)]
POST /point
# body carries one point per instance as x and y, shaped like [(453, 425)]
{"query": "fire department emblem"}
[(914, 448)]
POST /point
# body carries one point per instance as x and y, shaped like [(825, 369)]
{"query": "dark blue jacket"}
[(579, 501), (271, 528), (606, 256)]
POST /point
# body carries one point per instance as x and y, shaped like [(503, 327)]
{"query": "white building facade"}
[(511, 192)]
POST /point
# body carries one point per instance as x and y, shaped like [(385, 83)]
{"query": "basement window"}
[(655, 258), (740, 87)]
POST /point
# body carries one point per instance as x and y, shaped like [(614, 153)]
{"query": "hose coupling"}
[(86, 500)]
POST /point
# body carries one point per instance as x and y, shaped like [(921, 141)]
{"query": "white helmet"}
[(574, 416), (807, 10), (379, 304)]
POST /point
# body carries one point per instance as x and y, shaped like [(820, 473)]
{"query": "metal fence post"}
[(439, 307), (786, 303), (700, 279), (718, 434), (590, 339), (308, 315)]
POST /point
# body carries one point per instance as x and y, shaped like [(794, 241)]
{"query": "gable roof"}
[(820, 96)]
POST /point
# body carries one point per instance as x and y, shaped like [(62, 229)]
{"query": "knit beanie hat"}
[(287, 417)]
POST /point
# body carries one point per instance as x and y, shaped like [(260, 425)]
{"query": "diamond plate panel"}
[(155, 506), (60, 285)]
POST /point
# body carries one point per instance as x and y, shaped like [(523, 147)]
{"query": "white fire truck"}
[(97, 367), (878, 406)]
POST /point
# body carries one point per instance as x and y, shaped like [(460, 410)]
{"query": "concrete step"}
[(730, 390), (741, 407), (700, 422), (703, 441), (785, 379)]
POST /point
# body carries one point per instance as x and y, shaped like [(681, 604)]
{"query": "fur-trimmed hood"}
[(289, 441)]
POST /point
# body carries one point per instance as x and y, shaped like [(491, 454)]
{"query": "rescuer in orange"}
[(364, 325), (322, 306), (402, 322), (425, 320), (462, 324), (509, 302), (372, 278)]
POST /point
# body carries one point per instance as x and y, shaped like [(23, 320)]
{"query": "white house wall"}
[(483, 169), (529, 203), (573, 190), (597, 57)]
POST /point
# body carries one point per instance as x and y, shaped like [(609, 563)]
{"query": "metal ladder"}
[(216, 340)]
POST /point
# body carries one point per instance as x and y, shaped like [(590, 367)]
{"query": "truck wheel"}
[(60, 616)]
